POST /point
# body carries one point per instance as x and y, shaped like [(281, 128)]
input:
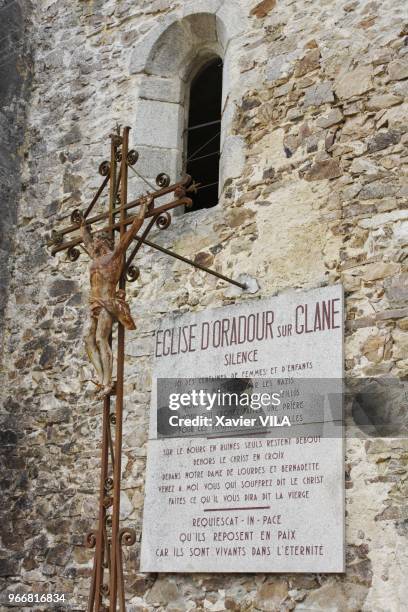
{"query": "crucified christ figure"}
[(107, 303)]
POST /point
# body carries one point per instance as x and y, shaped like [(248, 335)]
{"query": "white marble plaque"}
[(269, 502)]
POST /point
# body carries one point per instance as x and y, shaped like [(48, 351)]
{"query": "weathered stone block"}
[(153, 160), (8, 437), (9, 567), (202, 26), (263, 8), (268, 173), (329, 119), (361, 165), (396, 117), (353, 83), (311, 61), (395, 313), (381, 219), (377, 189), (382, 140), (158, 124), (232, 158), (325, 169), (396, 289), (59, 554), (382, 101), (204, 258), (166, 89), (283, 90), (400, 348), (206, 6), (230, 21), (144, 45), (271, 594), (398, 69), (48, 356), (163, 591), (377, 271), (373, 348), (63, 287), (280, 66), (319, 94), (403, 323), (239, 216)]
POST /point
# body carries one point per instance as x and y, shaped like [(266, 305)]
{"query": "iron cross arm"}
[(180, 190), (159, 215), (143, 240), (186, 184)]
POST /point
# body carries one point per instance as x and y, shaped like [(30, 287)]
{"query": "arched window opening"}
[(203, 134)]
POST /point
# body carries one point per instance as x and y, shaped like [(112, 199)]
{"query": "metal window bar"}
[(143, 178), (205, 156), (206, 186), (201, 125), (203, 146)]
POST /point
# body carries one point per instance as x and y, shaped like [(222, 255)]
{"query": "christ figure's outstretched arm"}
[(127, 238), (87, 238)]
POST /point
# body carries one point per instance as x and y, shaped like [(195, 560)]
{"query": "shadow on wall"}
[(15, 79)]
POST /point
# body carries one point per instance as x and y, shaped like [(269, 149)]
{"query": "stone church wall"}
[(313, 192), (15, 78)]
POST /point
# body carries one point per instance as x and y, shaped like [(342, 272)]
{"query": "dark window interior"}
[(203, 134)]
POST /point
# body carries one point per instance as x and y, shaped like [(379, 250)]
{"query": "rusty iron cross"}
[(159, 215), (107, 585)]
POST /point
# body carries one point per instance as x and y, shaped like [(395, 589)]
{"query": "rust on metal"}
[(110, 268), (116, 574), (96, 196), (128, 221), (104, 168), (158, 247), (132, 255), (185, 183), (132, 157), (162, 180)]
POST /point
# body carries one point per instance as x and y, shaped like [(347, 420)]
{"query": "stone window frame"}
[(164, 61)]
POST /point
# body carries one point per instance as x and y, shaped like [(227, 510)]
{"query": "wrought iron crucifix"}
[(110, 269)]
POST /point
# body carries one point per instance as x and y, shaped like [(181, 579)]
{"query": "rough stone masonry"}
[(313, 192)]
